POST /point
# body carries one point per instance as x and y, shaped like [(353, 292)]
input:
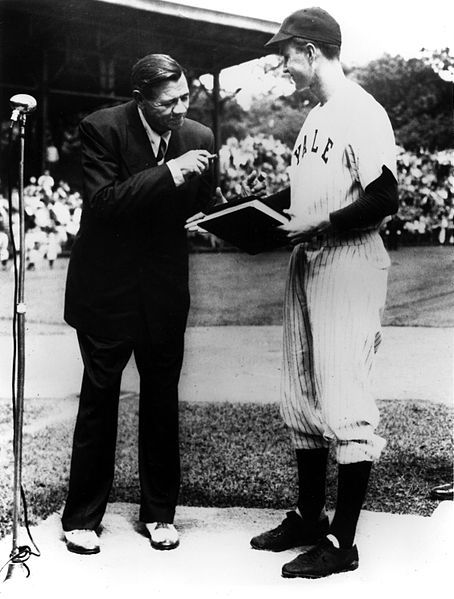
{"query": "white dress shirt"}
[(155, 140)]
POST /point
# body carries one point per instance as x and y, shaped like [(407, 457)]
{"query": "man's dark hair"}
[(152, 70), (329, 51)]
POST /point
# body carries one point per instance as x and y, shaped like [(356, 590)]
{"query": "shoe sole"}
[(81, 550), (272, 550), (305, 547), (164, 547), (349, 568), (442, 497)]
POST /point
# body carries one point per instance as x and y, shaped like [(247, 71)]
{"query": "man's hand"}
[(194, 162), (304, 227), (191, 223), (255, 184)]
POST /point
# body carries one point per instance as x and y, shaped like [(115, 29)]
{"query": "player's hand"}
[(220, 197), (194, 162), (255, 184), (304, 227)]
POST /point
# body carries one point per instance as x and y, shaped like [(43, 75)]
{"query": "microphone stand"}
[(16, 565)]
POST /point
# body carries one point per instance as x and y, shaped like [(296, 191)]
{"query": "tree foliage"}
[(233, 119), (280, 117), (418, 101)]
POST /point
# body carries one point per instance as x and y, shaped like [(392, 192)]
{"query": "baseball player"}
[(342, 186)]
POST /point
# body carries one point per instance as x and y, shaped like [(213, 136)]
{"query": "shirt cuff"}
[(176, 173)]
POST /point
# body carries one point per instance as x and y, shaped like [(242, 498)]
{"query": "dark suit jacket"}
[(130, 255)]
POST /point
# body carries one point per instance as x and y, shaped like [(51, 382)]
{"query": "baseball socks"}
[(352, 485), (312, 484)]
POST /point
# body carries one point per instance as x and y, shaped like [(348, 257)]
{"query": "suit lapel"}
[(174, 148), (138, 153)]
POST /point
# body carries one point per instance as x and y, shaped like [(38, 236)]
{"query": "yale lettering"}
[(304, 147), (297, 153), (329, 145), (314, 147), (301, 150)]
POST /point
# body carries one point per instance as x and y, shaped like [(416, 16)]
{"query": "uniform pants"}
[(333, 303), (93, 456)]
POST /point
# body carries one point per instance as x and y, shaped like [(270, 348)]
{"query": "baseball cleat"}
[(443, 492), (292, 532), (322, 560)]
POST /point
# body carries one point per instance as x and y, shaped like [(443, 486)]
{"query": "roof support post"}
[(216, 124), (44, 110)]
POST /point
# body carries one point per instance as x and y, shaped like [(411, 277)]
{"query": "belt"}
[(340, 239)]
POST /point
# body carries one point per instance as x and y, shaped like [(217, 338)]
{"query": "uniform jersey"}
[(340, 149)]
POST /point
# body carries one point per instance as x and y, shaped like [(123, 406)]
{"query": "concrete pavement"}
[(407, 556)]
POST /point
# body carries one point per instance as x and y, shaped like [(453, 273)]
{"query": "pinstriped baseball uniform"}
[(336, 284)]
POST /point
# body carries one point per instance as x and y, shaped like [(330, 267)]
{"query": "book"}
[(246, 223)]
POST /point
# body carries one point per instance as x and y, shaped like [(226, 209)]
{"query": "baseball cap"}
[(309, 23)]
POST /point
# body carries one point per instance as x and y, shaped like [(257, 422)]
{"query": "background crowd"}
[(52, 216), (426, 191)]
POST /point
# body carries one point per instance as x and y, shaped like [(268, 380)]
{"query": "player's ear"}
[(138, 97), (311, 51)]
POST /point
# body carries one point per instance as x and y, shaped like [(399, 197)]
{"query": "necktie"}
[(161, 151)]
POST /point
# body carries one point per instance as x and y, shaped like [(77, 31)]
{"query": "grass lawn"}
[(240, 455), (237, 289)]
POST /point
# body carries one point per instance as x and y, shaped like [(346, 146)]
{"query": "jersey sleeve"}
[(372, 142), (379, 200)]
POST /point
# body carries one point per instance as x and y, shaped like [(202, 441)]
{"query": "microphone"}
[(21, 104)]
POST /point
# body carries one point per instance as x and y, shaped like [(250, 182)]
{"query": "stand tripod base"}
[(17, 571)]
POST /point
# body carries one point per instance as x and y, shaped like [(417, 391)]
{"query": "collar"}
[(155, 138)]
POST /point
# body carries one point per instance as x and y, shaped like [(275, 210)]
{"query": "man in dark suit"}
[(146, 169)]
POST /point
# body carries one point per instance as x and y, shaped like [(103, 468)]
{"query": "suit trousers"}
[(159, 364)]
